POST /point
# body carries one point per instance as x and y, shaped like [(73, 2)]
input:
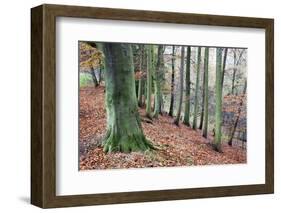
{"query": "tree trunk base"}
[(126, 143), (217, 148), (176, 122), (186, 123), (149, 116)]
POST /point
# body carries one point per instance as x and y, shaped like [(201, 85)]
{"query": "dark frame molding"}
[(43, 105)]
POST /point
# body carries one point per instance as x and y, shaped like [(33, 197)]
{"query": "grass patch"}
[(86, 79)]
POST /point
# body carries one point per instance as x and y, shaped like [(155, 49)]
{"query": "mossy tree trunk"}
[(148, 81), (218, 114), (206, 93), (194, 125), (159, 72), (187, 89), (140, 88), (124, 131), (203, 95), (172, 83), (177, 119)]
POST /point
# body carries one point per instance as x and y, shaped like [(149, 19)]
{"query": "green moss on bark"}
[(124, 131)]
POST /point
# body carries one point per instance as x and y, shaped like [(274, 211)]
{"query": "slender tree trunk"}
[(157, 82), (203, 96), (187, 89), (140, 80), (218, 116), (94, 78), (161, 104), (233, 81), (234, 74), (237, 118), (149, 81), (124, 131), (140, 93), (194, 125), (143, 92), (223, 65), (177, 119), (206, 89), (172, 83), (100, 72)]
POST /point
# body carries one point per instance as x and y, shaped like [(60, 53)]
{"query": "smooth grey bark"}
[(159, 72), (203, 95), (194, 125), (176, 121), (218, 114), (187, 89), (148, 81), (140, 87), (206, 90), (172, 83)]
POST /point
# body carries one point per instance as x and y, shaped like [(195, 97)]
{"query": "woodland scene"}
[(155, 105)]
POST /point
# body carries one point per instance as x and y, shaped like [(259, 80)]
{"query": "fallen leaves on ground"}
[(177, 145)]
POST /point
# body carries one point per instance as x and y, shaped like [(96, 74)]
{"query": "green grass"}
[(85, 79)]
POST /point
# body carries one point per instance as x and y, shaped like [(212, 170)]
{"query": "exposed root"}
[(217, 148), (147, 120), (126, 143)]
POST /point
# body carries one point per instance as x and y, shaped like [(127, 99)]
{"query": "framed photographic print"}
[(136, 106)]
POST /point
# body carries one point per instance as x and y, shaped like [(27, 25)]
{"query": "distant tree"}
[(194, 125), (124, 131), (172, 83), (91, 59), (237, 56), (206, 92), (187, 89), (149, 80), (223, 65), (218, 116), (203, 96), (238, 116), (140, 87), (159, 73), (94, 78), (176, 121)]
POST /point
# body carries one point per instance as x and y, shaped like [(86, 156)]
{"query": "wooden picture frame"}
[(43, 105)]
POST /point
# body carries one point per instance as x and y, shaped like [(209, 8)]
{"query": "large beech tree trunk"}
[(140, 88), (194, 125), (148, 81), (124, 131), (172, 83), (177, 119), (218, 116), (203, 95), (187, 89), (206, 89), (157, 82)]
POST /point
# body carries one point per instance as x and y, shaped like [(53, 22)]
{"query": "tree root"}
[(127, 143), (147, 120)]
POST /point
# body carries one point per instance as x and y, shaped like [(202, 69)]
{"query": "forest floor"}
[(177, 145)]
